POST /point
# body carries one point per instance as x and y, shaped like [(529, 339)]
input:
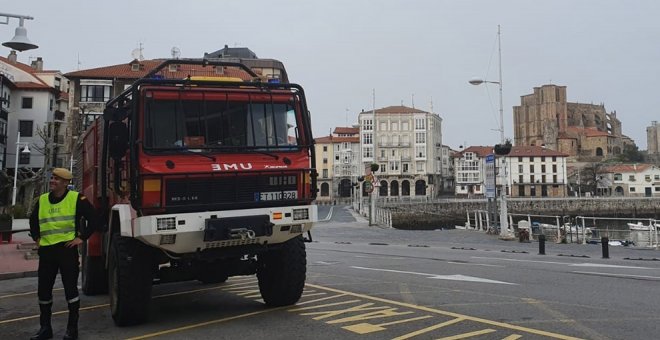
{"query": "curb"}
[(17, 275)]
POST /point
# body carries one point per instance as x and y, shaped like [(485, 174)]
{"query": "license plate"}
[(276, 195)]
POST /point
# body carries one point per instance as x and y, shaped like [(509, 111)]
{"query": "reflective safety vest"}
[(57, 222)]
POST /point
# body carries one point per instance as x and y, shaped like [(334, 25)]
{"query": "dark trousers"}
[(51, 260)]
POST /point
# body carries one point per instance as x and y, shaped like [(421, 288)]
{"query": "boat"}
[(639, 226)]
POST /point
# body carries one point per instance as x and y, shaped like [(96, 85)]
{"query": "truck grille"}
[(224, 189)]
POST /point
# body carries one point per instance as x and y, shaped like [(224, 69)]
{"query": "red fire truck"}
[(198, 178)]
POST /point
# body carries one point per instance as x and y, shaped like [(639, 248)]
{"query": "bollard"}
[(605, 241), (541, 244)]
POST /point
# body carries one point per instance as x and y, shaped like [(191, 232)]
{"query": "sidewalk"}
[(13, 262)]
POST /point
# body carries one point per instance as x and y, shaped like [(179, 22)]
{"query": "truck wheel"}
[(94, 275), (281, 273), (130, 277)]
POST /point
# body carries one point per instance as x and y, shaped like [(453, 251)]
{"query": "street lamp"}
[(505, 233), (26, 150), (20, 42)]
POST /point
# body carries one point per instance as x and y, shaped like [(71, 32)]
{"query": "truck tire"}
[(93, 273), (281, 273), (130, 277)]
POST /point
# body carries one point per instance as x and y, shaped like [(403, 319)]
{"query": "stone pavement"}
[(17, 258)]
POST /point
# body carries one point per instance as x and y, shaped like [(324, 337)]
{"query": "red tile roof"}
[(25, 68), (125, 71), (28, 85), (346, 130), (481, 151), (619, 168), (334, 139)]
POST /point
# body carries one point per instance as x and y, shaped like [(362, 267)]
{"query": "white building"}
[(534, 171), (531, 171), (634, 180), (407, 145), (338, 164), (33, 98)]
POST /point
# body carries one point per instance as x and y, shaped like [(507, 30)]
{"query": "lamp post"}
[(20, 42), (16, 156), (505, 233)]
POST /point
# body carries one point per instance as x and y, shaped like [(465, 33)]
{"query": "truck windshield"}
[(219, 124)]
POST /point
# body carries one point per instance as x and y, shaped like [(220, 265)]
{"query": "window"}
[(366, 138), (554, 178), (24, 157), (647, 178), (542, 158), (94, 93), (520, 168), (337, 157), (420, 151), (367, 152), (521, 179), (554, 158), (520, 159), (656, 177), (543, 168), (542, 178), (554, 168), (632, 189), (420, 138), (395, 126), (325, 161), (367, 124), (531, 159), (383, 126), (521, 190), (631, 178), (25, 128), (325, 148), (406, 165), (420, 124), (404, 126), (657, 188), (618, 177), (420, 166), (531, 178), (26, 102), (325, 173), (531, 168)]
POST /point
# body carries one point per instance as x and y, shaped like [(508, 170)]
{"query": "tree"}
[(586, 178), (630, 154)]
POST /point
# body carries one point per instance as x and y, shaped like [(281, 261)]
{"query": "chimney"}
[(12, 56), (38, 64)]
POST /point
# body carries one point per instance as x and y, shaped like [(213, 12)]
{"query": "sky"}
[(406, 52)]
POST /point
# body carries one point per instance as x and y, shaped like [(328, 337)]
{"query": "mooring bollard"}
[(605, 242), (541, 244)]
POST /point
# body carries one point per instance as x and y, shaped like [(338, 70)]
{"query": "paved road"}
[(372, 283)]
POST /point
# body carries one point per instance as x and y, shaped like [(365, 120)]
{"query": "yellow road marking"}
[(450, 314), (202, 324), (513, 337), (428, 329), (23, 294), (468, 335), (318, 300), (364, 328), (321, 306)]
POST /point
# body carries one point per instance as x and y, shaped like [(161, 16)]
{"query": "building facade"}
[(545, 118), (530, 171), (34, 104), (406, 143), (632, 180), (338, 164)]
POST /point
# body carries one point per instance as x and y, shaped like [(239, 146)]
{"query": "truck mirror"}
[(117, 139)]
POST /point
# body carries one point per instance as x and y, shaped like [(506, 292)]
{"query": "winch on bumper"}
[(192, 232)]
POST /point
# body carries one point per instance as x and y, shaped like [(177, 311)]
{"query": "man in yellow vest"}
[(56, 226)]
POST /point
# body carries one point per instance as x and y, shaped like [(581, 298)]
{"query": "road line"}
[(456, 277), (202, 324), (468, 335), (556, 315), (584, 264), (428, 329), (513, 337), (451, 314), (23, 294), (318, 300), (476, 264), (623, 276)]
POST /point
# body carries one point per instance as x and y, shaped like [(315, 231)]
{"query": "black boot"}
[(45, 330), (72, 324)]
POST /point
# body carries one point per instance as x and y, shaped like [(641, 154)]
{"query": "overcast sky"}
[(604, 51)]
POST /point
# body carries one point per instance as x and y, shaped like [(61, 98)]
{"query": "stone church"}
[(583, 131)]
